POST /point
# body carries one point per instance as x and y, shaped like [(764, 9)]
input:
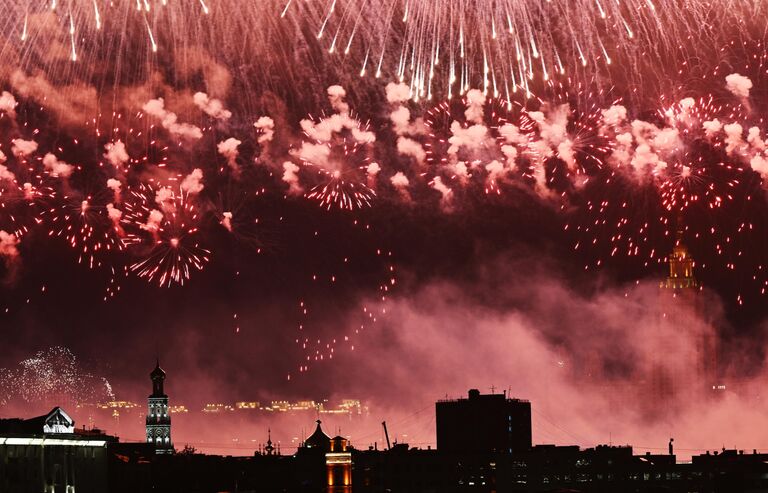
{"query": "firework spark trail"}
[(92, 229), (335, 275), (26, 184), (500, 47), (439, 48), (53, 376), (339, 149), (165, 223)]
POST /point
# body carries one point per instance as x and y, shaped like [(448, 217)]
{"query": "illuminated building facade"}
[(338, 458), (681, 265), (158, 416), (47, 454), (338, 461)]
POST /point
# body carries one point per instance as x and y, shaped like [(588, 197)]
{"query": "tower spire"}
[(681, 264), (158, 418), (269, 449)]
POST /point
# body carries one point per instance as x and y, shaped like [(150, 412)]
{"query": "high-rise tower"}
[(158, 418), (681, 265), (685, 349)]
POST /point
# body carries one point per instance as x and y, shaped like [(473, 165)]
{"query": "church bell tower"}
[(158, 418)]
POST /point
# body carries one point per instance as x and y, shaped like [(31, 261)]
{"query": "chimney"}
[(474, 393)]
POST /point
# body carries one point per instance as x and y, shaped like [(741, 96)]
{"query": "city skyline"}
[(484, 444), (674, 305), (346, 211)]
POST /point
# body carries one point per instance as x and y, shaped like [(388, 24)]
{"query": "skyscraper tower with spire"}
[(158, 418), (684, 348), (681, 264)]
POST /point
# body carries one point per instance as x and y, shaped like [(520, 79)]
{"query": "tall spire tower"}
[(687, 343), (158, 418), (681, 264)]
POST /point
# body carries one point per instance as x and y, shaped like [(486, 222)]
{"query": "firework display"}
[(439, 48), (501, 46), (137, 133), (692, 153), (339, 149), (53, 375)]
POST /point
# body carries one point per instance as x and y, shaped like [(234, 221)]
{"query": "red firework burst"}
[(339, 152), (164, 232)]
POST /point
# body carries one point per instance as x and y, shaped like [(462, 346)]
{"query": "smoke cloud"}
[(336, 95), (226, 221), (193, 182), (169, 120), (409, 147), (267, 128), (401, 182), (56, 167), (372, 171), (154, 219), (5, 173), (211, 106), (291, 177), (72, 104), (8, 104), (116, 154), (229, 149), (397, 95), (8, 246), (475, 104), (397, 92), (739, 85), (116, 187), (444, 190), (23, 148), (614, 116)]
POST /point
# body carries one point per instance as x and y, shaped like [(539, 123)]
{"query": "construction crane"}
[(386, 434)]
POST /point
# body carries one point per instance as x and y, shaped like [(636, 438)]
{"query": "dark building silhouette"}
[(269, 449), (335, 454), (158, 418), (318, 440), (480, 424), (48, 454)]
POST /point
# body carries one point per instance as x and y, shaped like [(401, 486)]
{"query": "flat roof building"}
[(481, 424)]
